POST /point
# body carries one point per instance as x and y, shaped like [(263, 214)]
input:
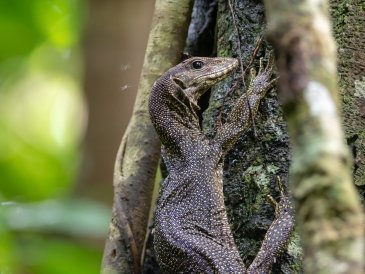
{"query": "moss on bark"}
[(329, 214), (348, 19)]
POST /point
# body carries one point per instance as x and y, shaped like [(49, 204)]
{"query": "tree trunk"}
[(349, 31), (329, 214), (252, 165), (255, 161), (138, 155), (113, 60)]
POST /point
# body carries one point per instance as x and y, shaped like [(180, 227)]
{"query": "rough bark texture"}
[(253, 164), (138, 154), (349, 31), (329, 214)]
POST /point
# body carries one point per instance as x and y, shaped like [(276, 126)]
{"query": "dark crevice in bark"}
[(200, 41)]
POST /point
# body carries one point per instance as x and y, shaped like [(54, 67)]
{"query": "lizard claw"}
[(272, 83), (270, 63), (284, 203), (261, 81), (272, 201), (252, 74), (261, 66)]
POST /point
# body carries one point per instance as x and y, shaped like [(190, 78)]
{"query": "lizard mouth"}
[(222, 73), (207, 80)]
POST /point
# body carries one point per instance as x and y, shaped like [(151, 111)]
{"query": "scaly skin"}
[(192, 233)]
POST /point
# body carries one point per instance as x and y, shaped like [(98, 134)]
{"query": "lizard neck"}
[(174, 116), (173, 104)]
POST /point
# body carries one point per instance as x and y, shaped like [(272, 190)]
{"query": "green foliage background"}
[(43, 229)]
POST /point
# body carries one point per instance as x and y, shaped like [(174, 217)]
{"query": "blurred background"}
[(69, 73)]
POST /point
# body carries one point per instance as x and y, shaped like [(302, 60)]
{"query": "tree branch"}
[(328, 210), (138, 155)]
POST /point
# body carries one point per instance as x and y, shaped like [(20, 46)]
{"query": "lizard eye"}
[(197, 64)]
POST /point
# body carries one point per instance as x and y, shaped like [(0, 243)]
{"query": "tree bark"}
[(138, 155), (254, 162), (349, 28), (329, 214), (252, 165)]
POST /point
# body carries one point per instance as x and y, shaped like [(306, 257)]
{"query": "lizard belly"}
[(191, 230)]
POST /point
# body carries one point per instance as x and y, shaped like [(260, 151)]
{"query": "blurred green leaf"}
[(56, 255), (27, 244), (25, 24), (57, 20), (42, 118), (18, 28), (69, 217)]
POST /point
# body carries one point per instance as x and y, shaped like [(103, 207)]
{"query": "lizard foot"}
[(285, 203), (260, 83), (278, 235)]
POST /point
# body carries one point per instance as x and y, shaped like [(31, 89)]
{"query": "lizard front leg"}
[(239, 119)]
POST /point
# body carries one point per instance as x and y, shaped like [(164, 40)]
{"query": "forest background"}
[(69, 73)]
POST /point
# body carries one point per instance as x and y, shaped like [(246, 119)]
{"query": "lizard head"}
[(196, 75), (173, 100)]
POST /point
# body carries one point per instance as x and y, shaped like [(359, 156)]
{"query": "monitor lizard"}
[(192, 233)]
